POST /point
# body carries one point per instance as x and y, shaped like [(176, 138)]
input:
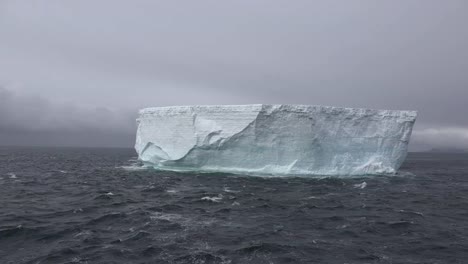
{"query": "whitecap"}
[(83, 233), (167, 217), (411, 212), (215, 199), (226, 189), (133, 168), (361, 185)]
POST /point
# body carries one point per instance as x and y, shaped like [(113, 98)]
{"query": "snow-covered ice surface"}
[(274, 139)]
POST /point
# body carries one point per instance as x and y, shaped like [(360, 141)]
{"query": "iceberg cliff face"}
[(274, 139)]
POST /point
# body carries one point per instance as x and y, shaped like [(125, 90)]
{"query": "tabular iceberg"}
[(274, 139)]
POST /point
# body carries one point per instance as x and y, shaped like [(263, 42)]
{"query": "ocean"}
[(78, 205)]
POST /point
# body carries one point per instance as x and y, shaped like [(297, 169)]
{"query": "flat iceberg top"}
[(258, 107), (274, 139)]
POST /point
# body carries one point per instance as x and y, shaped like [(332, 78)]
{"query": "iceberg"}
[(274, 139)]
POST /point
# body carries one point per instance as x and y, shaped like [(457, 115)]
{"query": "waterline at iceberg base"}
[(274, 139)]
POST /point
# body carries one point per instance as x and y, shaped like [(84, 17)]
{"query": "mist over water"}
[(63, 205)]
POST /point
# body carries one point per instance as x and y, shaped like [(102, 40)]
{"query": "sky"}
[(75, 73)]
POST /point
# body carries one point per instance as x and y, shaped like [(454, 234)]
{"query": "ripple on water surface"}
[(81, 206)]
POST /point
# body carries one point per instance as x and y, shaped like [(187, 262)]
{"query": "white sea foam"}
[(215, 199), (226, 189), (361, 185)]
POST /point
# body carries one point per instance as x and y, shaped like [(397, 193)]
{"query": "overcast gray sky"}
[(75, 72)]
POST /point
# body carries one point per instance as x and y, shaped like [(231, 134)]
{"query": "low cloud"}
[(441, 138), (33, 120)]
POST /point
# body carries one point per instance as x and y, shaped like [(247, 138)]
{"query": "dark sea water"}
[(64, 205)]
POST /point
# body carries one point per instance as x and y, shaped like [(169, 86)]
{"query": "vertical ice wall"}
[(274, 139)]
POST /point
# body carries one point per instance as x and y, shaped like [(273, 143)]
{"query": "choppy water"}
[(80, 206)]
